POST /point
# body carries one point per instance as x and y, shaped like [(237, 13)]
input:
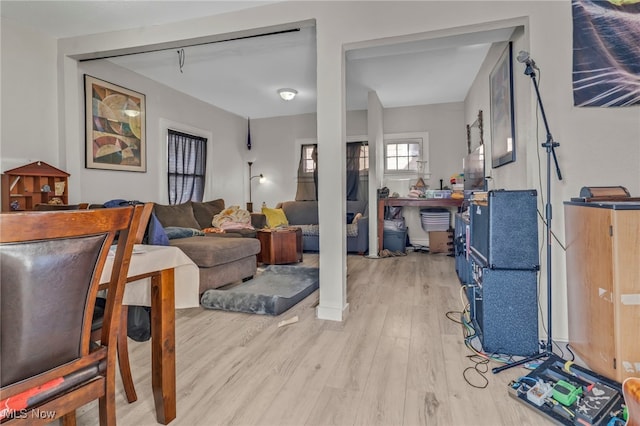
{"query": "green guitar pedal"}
[(566, 393)]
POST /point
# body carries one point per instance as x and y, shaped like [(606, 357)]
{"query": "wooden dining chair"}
[(45, 207), (123, 343), (52, 264)]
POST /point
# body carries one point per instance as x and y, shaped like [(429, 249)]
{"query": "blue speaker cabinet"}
[(505, 263), (505, 312), (504, 230)]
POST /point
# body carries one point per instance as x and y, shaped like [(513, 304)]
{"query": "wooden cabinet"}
[(26, 186), (603, 285), (280, 246)]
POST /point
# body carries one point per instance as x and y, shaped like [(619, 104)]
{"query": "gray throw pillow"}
[(204, 212), (180, 215)]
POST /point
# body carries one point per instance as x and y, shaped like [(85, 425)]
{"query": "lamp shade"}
[(287, 94)]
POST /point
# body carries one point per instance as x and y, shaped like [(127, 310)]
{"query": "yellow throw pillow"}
[(275, 217)]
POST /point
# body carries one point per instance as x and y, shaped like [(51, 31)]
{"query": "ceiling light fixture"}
[(287, 94)]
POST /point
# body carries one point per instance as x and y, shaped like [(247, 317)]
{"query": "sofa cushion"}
[(155, 234), (180, 215), (300, 212), (275, 217), (208, 251), (309, 229), (204, 212), (352, 230), (306, 212)]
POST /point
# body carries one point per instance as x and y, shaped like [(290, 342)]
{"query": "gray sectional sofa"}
[(304, 214), (221, 258)]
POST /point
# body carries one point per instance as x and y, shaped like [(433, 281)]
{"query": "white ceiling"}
[(71, 18), (242, 76)]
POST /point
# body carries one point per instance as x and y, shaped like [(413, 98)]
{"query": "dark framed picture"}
[(115, 127), (503, 139)]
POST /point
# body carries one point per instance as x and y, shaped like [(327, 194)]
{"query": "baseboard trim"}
[(331, 313)]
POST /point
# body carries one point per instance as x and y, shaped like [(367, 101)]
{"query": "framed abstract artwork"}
[(605, 53), (503, 142), (115, 127)]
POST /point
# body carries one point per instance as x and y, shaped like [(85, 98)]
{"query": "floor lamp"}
[(549, 146), (261, 176)]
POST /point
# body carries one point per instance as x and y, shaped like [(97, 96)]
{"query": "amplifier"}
[(504, 230), (505, 310)]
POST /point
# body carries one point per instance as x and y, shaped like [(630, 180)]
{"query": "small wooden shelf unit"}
[(26, 186)]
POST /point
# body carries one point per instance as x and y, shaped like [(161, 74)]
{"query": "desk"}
[(415, 202), (164, 278)]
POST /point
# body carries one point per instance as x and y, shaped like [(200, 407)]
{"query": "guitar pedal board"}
[(571, 395)]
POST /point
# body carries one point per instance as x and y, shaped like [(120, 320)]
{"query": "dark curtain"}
[(353, 170), (187, 156), (363, 188), (307, 181), (314, 155)]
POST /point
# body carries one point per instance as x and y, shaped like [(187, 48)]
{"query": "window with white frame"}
[(364, 158), (402, 155), (308, 161)]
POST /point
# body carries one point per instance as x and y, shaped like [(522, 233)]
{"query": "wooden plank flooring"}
[(396, 360)]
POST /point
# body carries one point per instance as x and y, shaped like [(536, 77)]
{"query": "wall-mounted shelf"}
[(26, 186)]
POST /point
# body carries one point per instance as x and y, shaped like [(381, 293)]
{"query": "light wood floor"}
[(396, 360)]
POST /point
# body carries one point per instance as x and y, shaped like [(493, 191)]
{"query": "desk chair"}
[(51, 267)]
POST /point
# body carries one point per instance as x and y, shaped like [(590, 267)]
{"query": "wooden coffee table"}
[(281, 245)]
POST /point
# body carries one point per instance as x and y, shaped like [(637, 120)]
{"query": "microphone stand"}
[(549, 146)]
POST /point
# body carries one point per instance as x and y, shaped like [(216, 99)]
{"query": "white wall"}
[(447, 145), (30, 125), (519, 174), (447, 135), (599, 146), (29, 98), (225, 149), (275, 154)]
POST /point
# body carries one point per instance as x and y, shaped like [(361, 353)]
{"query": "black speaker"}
[(504, 232), (505, 311)]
